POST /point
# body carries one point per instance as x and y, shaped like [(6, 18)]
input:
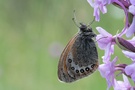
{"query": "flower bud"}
[(126, 3), (124, 44)]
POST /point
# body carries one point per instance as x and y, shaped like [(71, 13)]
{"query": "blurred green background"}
[(33, 33)]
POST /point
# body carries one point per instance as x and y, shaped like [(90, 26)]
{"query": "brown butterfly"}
[(79, 58)]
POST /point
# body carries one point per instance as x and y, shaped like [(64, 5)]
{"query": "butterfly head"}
[(86, 31)]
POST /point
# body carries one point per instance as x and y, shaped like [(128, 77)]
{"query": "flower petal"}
[(96, 13), (130, 70), (103, 32), (131, 29), (132, 9), (99, 5), (132, 2), (107, 71), (103, 9), (107, 53), (91, 3), (103, 41), (129, 54), (122, 85)]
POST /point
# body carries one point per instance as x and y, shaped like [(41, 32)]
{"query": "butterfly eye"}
[(83, 27), (89, 30)]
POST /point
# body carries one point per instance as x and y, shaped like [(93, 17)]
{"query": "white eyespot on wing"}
[(87, 70), (69, 62), (69, 59), (75, 71)]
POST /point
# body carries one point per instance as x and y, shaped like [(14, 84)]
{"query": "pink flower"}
[(99, 5), (130, 55), (130, 70), (107, 71), (105, 42), (131, 29), (122, 85)]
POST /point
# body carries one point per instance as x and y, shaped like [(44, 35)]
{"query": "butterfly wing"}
[(79, 59), (62, 66)]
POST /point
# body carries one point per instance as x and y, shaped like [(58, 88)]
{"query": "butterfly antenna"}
[(91, 22), (74, 19)]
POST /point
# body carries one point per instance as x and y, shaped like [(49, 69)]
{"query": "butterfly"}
[(79, 58)]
